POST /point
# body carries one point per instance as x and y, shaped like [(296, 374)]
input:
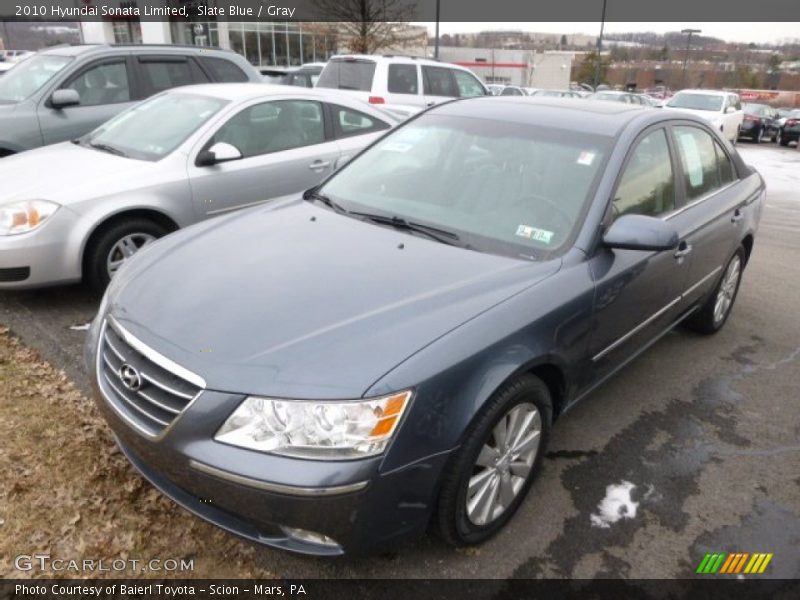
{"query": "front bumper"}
[(750, 129), (42, 257), (363, 509)]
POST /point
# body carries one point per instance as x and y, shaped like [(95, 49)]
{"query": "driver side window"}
[(106, 83), (273, 127), (647, 186)]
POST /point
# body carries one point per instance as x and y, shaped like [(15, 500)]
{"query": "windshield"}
[(500, 187), (696, 102), (154, 128), (347, 75), (27, 77)]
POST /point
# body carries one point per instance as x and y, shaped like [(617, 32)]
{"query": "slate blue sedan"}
[(338, 372)]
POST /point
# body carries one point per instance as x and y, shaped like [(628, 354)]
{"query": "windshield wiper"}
[(313, 194), (440, 235), (107, 148)]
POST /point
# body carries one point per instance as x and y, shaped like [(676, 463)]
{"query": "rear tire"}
[(114, 245), (781, 139), (488, 478), (714, 312)]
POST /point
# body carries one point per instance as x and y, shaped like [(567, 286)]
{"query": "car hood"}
[(296, 301), (67, 173)]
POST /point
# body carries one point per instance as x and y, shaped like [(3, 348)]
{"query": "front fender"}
[(455, 376)]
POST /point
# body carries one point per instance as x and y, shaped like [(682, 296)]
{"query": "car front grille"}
[(138, 382)]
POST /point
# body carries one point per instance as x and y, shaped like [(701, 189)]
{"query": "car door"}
[(403, 85), (438, 85), (712, 210), (105, 87), (353, 130), (286, 147), (637, 293)]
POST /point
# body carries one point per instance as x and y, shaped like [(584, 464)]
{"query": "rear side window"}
[(727, 174), (699, 159), (647, 186), (224, 70), (160, 75), (468, 85), (403, 79), (349, 122), (439, 81), (348, 75)]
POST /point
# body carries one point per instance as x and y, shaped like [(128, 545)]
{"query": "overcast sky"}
[(732, 32)]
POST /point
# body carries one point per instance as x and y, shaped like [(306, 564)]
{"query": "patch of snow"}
[(615, 506), (84, 327)]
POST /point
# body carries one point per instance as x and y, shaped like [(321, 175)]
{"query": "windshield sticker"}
[(586, 158), (535, 234)]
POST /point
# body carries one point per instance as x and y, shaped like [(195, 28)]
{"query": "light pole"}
[(436, 41), (686, 55), (599, 47)]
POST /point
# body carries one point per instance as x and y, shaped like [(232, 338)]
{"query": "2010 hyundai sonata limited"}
[(338, 372)]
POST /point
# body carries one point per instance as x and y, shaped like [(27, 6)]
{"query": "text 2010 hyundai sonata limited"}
[(334, 374)]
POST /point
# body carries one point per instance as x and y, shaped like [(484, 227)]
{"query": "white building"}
[(525, 68)]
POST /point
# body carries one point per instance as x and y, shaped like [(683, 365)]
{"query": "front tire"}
[(781, 139), (713, 314), (115, 245), (488, 478)]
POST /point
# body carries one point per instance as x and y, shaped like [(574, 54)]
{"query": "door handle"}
[(319, 164), (738, 215), (684, 249)]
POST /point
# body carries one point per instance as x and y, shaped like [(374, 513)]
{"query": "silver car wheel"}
[(504, 464), (124, 249), (727, 290)]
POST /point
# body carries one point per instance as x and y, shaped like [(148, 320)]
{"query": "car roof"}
[(81, 49), (398, 58), (252, 90), (574, 114), (706, 92)]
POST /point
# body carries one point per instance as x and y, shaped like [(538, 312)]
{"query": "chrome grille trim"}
[(164, 395)]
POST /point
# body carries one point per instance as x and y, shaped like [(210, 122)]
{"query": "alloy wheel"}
[(124, 249), (727, 289), (504, 464)]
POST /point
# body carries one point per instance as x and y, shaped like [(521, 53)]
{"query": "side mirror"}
[(218, 153), (63, 98), (639, 232), (730, 109)]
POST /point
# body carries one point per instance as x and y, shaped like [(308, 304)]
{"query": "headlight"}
[(25, 216), (319, 429)]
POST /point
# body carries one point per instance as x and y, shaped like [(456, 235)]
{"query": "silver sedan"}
[(79, 209)]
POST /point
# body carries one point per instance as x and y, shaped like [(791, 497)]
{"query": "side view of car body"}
[(760, 121), (487, 264), (175, 159), (722, 109), (402, 84), (65, 92)]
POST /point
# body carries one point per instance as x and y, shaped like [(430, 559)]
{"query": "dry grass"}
[(67, 491)]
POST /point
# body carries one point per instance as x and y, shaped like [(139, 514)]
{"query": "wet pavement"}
[(695, 445)]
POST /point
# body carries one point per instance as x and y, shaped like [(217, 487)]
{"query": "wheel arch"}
[(747, 243), (110, 220)]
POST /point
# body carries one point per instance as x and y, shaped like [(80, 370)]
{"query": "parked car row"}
[(339, 371)]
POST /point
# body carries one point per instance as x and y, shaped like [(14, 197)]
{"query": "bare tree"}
[(367, 26)]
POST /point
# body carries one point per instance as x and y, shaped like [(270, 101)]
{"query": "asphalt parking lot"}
[(699, 439)]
